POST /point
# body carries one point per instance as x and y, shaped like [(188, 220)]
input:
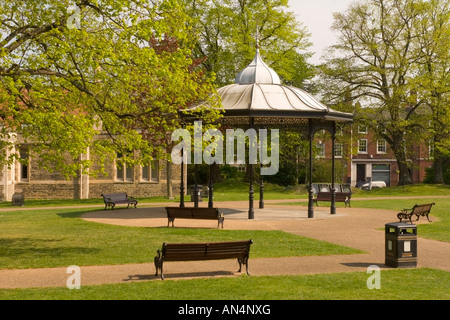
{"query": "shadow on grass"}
[(147, 277), (76, 214), (15, 248)]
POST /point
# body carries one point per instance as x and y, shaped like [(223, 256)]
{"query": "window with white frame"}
[(362, 146), (362, 129), (150, 171), (381, 146), (431, 150), (338, 150), (381, 129), (124, 171), (321, 150)]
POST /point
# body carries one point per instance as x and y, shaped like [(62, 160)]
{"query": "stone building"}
[(36, 183)]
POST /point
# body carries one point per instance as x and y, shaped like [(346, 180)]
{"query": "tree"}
[(433, 79), (375, 62), (228, 30), (120, 69)]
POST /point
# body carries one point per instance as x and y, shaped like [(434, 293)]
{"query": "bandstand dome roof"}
[(258, 92)]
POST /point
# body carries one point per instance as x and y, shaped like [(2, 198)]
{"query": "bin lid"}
[(400, 225)]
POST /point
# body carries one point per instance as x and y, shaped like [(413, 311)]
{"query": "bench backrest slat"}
[(116, 196), (422, 208), (327, 195), (205, 213), (196, 213), (205, 251), (175, 212)]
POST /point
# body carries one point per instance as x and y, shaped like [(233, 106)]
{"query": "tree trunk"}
[(169, 179), (438, 172), (398, 147)]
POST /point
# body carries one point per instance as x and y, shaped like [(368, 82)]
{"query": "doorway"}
[(360, 173)]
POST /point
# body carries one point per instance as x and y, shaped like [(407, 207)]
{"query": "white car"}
[(373, 184)]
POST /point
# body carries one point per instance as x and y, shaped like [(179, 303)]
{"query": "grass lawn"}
[(51, 238), (396, 284), (48, 237)]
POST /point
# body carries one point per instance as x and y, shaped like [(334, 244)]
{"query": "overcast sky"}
[(317, 16)]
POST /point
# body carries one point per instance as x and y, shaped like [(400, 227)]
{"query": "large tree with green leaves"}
[(71, 71), (228, 32), (433, 79), (380, 55)]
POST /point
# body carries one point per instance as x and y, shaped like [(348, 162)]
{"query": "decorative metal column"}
[(333, 169), (310, 188), (251, 212), (196, 186), (182, 180), (261, 189), (210, 188)]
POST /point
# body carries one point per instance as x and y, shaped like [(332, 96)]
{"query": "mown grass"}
[(50, 238), (398, 284)]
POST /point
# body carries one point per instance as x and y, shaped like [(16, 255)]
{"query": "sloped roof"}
[(258, 93)]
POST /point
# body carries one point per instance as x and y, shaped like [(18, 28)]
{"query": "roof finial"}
[(257, 37)]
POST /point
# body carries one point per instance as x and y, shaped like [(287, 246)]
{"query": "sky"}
[(317, 17)]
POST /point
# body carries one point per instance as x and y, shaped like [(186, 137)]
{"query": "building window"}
[(124, 171), (381, 129), (362, 146), (23, 165), (431, 150), (338, 150), (321, 150), (362, 129), (150, 172), (381, 146)]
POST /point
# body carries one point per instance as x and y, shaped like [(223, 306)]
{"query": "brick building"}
[(367, 157)]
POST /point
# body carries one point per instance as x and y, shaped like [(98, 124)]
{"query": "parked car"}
[(373, 184)]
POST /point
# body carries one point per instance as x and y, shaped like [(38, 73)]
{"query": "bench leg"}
[(159, 266), (403, 215), (419, 215), (169, 220), (241, 262), (347, 202)]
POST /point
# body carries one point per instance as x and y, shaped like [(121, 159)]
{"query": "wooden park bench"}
[(118, 198), (418, 210), (239, 250), (339, 197), (194, 213)]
